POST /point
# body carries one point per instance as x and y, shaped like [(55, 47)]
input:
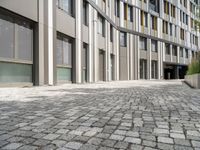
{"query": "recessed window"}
[(66, 5), (143, 43), (85, 13), (154, 46), (123, 39), (167, 49), (101, 25)]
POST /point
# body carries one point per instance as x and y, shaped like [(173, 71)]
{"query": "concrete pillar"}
[(50, 41), (121, 13), (95, 48), (90, 52), (117, 53), (131, 64), (78, 41)]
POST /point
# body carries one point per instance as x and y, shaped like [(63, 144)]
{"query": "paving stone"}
[(28, 147), (177, 136), (12, 146), (51, 136), (108, 143), (196, 143), (73, 145), (165, 140), (116, 137), (121, 145), (132, 140), (136, 147), (149, 143)]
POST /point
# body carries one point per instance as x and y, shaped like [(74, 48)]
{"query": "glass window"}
[(6, 37), (154, 46), (67, 52), (123, 41), (167, 49), (154, 69), (143, 69), (64, 51), (24, 41), (181, 52), (59, 51), (101, 25), (66, 5), (143, 43), (85, 13)]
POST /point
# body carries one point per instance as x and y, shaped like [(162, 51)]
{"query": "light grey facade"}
[(49, 42)]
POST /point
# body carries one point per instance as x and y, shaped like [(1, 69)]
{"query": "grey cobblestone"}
[(135, 115)]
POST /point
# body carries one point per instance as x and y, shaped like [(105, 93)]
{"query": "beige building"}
[(76, 41)]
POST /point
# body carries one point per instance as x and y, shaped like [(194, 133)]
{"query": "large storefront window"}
[(154, 69), (64, 58), (143, 69), (16, 54)]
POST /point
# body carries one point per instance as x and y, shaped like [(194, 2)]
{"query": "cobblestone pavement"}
[(135, 115)]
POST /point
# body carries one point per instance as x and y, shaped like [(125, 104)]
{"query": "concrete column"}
[(138, 55), (148, 58), (160, 58), (117, 53), (171, 55), (108, 53), (121, 14), (95, 48), (50, 41), (131, 58), (41, 42), (128, 55), (178, 54), (78, 42), (90, 52)]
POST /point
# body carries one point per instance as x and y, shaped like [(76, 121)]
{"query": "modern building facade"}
[(76, 41)]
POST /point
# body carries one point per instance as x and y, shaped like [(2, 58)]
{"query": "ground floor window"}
[(143, 69), (84, 61), (16, 54), (154, 69), (64, 58)]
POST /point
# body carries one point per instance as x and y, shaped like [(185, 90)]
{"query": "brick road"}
[(135, 115)]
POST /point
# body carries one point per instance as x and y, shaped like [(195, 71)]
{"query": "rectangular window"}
[(171, 28), (64, 58), (143, 69), (182, 34), (143, 43), (117, 8), (154, 69), (165, 27), (66, 5), (167, 49), (166, 7), (154, 22), (111, 33), (85, 13), (130, 13), (186, 53), (154, 5), (101, 25), (181, 52), (16, 41), (123, 39), (154, 46), (143, 18), (174, 50)]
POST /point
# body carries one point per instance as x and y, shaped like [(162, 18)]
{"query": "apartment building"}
[(49, 42)]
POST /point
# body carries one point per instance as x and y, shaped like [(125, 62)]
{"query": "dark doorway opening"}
[(173, 71)]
